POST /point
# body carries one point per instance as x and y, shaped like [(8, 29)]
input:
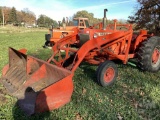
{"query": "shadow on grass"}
[(27, 109), (18, 114)]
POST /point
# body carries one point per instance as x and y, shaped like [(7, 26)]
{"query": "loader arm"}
[(73, 57), (97, 43)]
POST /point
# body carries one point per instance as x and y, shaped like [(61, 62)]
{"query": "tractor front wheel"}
[(149, 55), (107, 73)]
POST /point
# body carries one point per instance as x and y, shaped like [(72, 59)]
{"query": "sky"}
[(57, 9)]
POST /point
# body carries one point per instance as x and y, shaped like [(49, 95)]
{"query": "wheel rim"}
[(109, 75), (156, 56)]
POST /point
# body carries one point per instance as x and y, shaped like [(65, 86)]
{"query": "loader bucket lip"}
[(23, 51)]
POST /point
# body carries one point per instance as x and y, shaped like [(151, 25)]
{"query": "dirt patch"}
[(3, 99), (3, 91)]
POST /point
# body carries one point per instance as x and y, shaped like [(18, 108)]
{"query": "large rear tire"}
[(107, 73), (148, 55)]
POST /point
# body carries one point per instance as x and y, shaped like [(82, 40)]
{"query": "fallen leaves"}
[(78, 117), (2, 96), (2, 99), (119, 116), (84, 91)]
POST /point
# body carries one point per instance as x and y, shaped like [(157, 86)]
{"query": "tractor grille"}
[(83, 38), (47, 37)]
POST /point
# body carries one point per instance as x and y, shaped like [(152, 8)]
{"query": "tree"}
[(63, 20), (44, 21), (147, 15), (40, 21), (6, 11), (85, 14), (1, 16), (90, 16), (13, 16), (26, 16)]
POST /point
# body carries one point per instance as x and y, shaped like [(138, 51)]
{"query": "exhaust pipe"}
[(104, 19)]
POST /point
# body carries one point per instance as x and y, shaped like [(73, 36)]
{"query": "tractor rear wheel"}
[(107, 73), (148, 55)]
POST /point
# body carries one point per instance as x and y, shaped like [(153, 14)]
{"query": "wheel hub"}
[(155, 55), (109, 74)]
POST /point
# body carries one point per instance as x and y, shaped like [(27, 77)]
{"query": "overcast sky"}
[(57, 9)]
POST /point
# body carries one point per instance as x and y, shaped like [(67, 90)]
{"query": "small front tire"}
[(107, 73)]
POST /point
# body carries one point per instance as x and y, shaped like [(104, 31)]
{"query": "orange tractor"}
[(55, 35), (46, 85)]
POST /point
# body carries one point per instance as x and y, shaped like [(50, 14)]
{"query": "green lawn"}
[(135, 95)]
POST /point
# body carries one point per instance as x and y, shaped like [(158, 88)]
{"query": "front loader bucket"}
[(38, 85)]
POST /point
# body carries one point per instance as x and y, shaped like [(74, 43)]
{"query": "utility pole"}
[(3, 16)]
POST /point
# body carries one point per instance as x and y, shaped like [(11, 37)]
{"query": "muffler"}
[(104, 19)]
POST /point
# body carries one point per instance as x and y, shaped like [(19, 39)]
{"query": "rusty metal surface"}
[(15, 76), (46, 75), (13, 79)]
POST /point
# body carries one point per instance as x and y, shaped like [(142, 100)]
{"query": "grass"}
[(134, 96)]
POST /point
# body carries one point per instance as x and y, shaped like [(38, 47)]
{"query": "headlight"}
[(95, 35), (87, 32)]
